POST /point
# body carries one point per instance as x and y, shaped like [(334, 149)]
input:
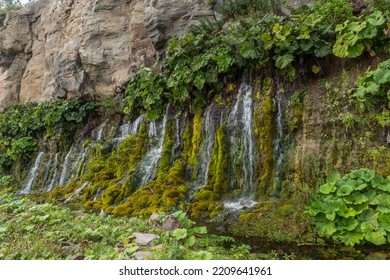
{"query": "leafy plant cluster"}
[(199, 63), (374, 83), (353, 209), (21, 125)]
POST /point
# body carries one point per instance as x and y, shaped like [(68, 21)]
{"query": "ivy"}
[(353, 209)]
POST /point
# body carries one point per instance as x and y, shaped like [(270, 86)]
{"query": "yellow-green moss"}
[(166, 154), (196, 140), (264, 131), (160, 195), (206, 199)]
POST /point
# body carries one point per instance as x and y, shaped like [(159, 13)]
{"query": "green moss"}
[(265, 131), (160, 195), (166, 155), (187, 147), (206, 199), (196, 140)]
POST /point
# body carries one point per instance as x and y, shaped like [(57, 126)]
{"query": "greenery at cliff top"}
[(199, 63)]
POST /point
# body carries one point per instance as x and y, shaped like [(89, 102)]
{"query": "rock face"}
[(66, 48)]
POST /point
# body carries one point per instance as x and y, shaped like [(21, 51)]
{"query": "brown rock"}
[(170, 223)]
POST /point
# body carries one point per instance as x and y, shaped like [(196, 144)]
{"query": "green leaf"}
[(381, 75), (376, 237), (203, 255), (179, 233), (325, 227), (345, 190), (384, 221), (348, 224), (190, 241), (323, 51), (328, 188), (355, 51), (199, 230), (340, 49), (199, 81), (355, 198), (376, 18), (283, 61), (377, 181), (369, 219), (351, 238)]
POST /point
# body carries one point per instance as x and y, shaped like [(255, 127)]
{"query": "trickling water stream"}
[(149, 164), (32, 174), (55, 168), (206, 148), (240, 126), (65, 167)]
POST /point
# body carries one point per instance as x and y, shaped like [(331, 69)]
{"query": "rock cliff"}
[(65, 48)]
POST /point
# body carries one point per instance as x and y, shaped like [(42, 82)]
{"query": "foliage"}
[(9, 5), (21, 125), (200, 62), (374, 83), (354, 36), (32, 231), (233, 9), (354, 208)]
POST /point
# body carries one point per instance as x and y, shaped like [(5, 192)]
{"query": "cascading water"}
[(129, 128), (76, 192), (206, 148), (55, 168), (148, 165), (65, 167), (32, 174), (152, 132), (100, 132), (240, 126)]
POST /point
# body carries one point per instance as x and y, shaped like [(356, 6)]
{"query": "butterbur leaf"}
[(355, 51), (326, 227), (327, 188), (179, 233), (346, 212), (355, 198), (376, 237), (344, 190), (203, 255), (190, 241), (199, 230), (370, 217), (348, 224), (369, 174), (351, 238), (377, 181), (384, 221), (283, 61), (359, 208), (376, 18)]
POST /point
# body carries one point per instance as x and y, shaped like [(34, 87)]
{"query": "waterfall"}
[(100, 132), (32, 174), (65, 168), (240, 128), (76, 192), (55, 167), (129, 128), (148, 165), (177, 144), (78, 166), (152, 132), (206, 148)]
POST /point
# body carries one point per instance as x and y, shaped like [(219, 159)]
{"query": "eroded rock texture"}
[(66, 48)]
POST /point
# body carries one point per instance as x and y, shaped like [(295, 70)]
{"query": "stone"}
[(171, 223), (154, 220), (64, 49), (142, 255), (78, 257), (144, 239)]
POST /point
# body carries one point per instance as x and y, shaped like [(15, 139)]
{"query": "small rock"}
[(67, 244), (78, 257), (142, 255), (154, 220), (144, 239), (120, 246), (171, 223)]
